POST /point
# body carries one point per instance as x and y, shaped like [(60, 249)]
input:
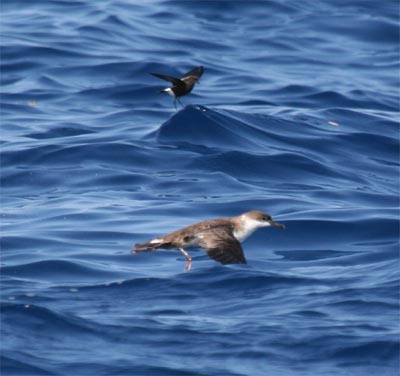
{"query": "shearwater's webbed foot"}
[(188, 258)]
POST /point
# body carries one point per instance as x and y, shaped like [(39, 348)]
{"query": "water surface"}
[(296, 114)]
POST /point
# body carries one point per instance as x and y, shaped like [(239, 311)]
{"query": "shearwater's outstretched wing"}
[(197, 72), (220, 245), (173, 80)]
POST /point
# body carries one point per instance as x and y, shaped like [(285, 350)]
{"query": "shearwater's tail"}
[(150, 246)]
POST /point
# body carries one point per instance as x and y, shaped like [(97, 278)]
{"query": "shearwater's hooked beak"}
[(276, 224)]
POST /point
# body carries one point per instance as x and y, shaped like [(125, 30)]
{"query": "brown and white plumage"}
[(220, 238)]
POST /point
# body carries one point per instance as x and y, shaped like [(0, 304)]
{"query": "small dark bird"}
[(181, 86), (220, 238)]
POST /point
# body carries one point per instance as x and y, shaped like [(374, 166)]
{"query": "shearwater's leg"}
[(176, 109), (188, 258), (179, 100)]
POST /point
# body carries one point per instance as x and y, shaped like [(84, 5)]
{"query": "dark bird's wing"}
[(221, 245), (197, 72), (173, 80)]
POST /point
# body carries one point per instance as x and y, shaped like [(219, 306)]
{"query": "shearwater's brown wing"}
[(197, 72), (220, 245), (173, 80)]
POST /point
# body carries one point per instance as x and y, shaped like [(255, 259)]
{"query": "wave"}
[(58, 270), (30, 314), (9, 365)]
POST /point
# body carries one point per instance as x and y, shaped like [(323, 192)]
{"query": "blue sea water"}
[(296, 114)]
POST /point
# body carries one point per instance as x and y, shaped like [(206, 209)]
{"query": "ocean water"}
[(296, 114)]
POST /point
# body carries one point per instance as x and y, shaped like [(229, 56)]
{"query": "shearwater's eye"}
[(266, 218)]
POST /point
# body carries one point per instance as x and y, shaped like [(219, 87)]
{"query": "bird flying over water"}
[(181, 86), (219, 238)]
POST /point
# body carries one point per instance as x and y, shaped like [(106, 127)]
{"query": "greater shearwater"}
[(220, 238), (181, 86)]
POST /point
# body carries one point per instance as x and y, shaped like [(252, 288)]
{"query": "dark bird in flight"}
[(220, 238), (181, 86)]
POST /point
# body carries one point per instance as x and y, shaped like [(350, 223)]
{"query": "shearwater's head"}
[(260, 219), (249, 222)]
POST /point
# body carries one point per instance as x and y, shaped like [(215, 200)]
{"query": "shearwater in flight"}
[(220, 238)]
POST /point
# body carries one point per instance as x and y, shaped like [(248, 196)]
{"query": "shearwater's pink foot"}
[(188, 258)]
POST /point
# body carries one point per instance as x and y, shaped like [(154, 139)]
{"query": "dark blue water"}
[(296, 114)]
